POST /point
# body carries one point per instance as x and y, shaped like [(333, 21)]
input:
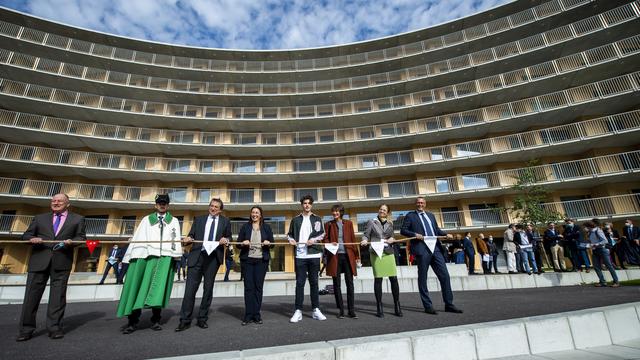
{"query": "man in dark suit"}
[(419, 224), (50, 260), (469, 252), (204, 261), (113, 260)]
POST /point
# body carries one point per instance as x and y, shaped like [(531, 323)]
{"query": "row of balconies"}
[(524, 46), (491, 216), (598, 91), (611, 52), (581, 132), (555, 173), (480, 31)]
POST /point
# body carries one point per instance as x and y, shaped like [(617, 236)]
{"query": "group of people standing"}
[(157, 244)]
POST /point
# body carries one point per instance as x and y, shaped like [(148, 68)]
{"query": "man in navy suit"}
[(419, 224), (204, 261)]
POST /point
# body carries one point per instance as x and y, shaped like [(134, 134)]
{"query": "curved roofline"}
[(193, 47)]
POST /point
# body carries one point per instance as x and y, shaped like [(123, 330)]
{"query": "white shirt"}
[(207, 227), (427, 225), (305, 233)]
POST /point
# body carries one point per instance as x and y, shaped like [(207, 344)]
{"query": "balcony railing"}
[(604, 89), (599, 128), (482, 57), (493, 83), (610, 207), (496, 26), (590, 168)]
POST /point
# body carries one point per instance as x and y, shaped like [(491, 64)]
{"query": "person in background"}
[(228, 264), (470, 253), (113, 261), (256, 238), (600, 253), (380, 229), (510, 249), (526, 249), (338, 232), (457, 251), (553, 242), (615, 243), (483, 250), (632, 243), (538, 248), (493, 251)]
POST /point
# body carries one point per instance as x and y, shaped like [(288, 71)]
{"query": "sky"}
[(252, 24)]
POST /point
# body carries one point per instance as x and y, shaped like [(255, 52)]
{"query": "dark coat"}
[(197, 233), (245, 234), (348, 236), (42, 254), (412, 225)]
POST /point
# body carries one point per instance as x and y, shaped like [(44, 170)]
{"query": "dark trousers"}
[(574, 255), (36, 284), (344, 267), (307, 268), (255, 271), (471, 261), (519, 263), (106, 271), (436, 261), (207, 266), (122, 272), (486, 266), (495, 262), (134, 317)]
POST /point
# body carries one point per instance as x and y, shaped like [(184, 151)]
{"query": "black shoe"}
[(100, 283), (203, 325), (156, 326), (245, 322), (129, 329), (183, 327), (397, 309), (431, 311), (24, 337), (529, 273), (340, 316), (379, 312), (259, 321), (497, 272), (453, 309), (513, 272), (58, 334), (352, 315)]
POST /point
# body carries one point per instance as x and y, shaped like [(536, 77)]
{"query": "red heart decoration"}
[(91, 245)]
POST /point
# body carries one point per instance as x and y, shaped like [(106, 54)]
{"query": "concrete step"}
[(611, 332), (14, 294)]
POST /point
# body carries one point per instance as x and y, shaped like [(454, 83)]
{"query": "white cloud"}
[(253, 24)]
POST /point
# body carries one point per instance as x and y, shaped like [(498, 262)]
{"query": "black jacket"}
[(245, 234), (197, 233)]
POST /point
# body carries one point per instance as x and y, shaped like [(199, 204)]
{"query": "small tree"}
[(528, 204)]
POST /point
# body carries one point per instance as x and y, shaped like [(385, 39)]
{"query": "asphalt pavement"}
[(93, 330)]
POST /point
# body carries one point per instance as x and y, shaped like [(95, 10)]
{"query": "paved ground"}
[(93, 330)]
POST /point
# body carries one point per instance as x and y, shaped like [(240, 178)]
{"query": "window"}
[(203, 195), (101, 192), (178, 194), (450, 217), (139, 164), (369, 161), (133, 194), (208, 139), (54, 188), (363, 219), (244, 167), (299, 193), (373, 191), (402, 188), (443, 186), (388, 131), (206, 166), (96, 224), (16, 186), (304, 165), (436, 154), (178, 165), (329, 194), (555, 135), (6, 220), (268, 195), (128, 226), (269, 166), (269, 139), (485, 214), (469, 149), (241, 195), (471, 181), (398, 158), (328, 164)]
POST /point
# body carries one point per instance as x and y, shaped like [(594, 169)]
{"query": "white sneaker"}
[(297, 316), (317, 315)]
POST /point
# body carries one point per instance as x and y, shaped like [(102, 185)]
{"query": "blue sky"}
[(252, 24)]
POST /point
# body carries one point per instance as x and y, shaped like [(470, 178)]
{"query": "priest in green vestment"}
[(152, 250)]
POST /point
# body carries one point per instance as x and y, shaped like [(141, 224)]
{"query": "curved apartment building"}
[(452, 112)]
